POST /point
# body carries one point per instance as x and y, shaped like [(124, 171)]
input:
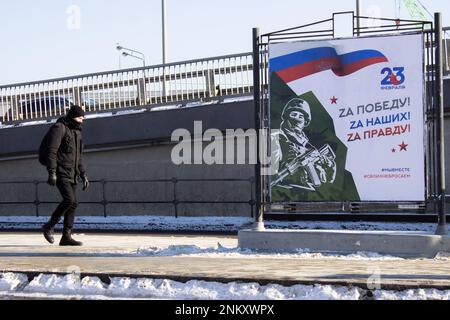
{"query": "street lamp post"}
[(164, 44), (127, 52), (164, 31)]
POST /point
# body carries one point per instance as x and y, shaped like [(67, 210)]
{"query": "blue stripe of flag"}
[(357, 56)]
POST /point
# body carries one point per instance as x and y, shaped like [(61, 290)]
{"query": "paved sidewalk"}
[(112, 255)]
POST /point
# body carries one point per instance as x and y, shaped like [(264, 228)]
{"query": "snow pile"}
[(416, 294), (220, 251), (11, 281), (167, 289), (71, 286)]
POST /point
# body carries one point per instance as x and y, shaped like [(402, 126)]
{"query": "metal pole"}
[(164, 43), (259, 210), (442, 226), (164, 34), (358, 14)]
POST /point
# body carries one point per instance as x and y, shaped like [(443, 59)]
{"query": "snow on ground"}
[(220, 251), (72, 287), (222, 224)]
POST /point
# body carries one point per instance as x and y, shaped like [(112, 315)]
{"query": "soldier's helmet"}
[(300, 105)]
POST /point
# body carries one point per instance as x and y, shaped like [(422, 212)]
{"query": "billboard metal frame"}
[(326, 30)]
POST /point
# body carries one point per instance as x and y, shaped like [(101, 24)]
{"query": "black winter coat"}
[(65, 150)]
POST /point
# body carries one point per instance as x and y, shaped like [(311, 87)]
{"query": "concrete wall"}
[(132, 147)]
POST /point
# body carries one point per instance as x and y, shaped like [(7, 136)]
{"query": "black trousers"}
[(68, 205)]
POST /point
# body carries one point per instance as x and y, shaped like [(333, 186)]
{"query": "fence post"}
[(141, 92), (77, 96), (259, 209), (210, 84), (442, 225)]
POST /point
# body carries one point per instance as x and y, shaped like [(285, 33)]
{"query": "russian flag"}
[(304, 63)]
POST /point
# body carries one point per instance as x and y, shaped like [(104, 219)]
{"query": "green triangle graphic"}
[(321, 132)]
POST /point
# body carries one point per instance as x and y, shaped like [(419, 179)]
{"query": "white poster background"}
[(369, 157)]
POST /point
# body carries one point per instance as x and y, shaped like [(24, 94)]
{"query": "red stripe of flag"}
[(309, 68), (306, 69), (353, 67)]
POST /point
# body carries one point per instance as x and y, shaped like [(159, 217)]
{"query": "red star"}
[(394, 79), (334, 100), (403, 146)]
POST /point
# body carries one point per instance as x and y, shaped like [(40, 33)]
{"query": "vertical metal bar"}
[(40, 100), (44, 98), (164, 31), (110, 90), (76, 93), (160, 86), (224, 75), (119, 87), (17, 100), (55, 88), (4, 105), (175, 82), (191, 82), (196, 92), (259, 210), (58, 98), (358, 19), (2, 112), (129, 89), (267, 124), (29, 99), (241, 86), (103, 107), (442, 226)]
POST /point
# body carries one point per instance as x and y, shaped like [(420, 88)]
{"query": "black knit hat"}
[(75, 112)]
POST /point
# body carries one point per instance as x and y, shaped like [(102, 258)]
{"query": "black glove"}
[(51, 177), (85, 181)]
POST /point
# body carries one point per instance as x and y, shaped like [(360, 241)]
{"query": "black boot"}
[(48, 230), (67, 240)]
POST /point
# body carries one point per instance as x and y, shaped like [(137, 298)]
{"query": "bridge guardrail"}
[(173, 83)]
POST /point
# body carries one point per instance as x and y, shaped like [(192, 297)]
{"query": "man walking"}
[(62, 155)]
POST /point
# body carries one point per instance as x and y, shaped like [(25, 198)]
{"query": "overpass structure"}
[(131, 115)]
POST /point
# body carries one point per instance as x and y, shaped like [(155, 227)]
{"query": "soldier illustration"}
[(301, 164)]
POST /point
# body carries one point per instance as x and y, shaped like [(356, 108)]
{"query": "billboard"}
[(347, 119)]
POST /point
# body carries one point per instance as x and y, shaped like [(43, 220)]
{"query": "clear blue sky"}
[(37, 43)]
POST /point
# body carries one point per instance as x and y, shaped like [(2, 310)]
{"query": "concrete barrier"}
[(403, 244)]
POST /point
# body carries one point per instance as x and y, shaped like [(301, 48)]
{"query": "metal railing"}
[(176, 200), (173, 83)]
